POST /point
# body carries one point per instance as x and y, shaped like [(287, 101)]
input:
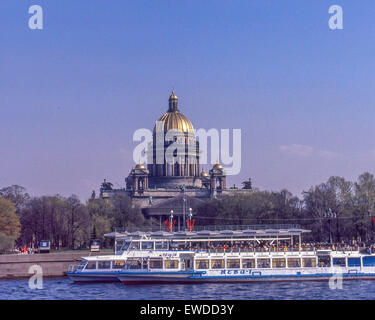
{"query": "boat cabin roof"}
[(206, 234)]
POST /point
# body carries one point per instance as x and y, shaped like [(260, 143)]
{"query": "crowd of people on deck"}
[(248, 246)]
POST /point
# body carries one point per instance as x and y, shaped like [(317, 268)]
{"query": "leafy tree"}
[(124, 213), (16, 194), (9, 221), (6, 243)]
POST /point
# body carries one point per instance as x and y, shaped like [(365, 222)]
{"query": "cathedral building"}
[(164, 185)]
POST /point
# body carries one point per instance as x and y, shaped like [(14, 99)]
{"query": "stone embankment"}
[(53, 264)]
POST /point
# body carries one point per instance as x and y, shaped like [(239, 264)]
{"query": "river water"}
[(63, 288)]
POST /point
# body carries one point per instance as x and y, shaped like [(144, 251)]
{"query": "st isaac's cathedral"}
[(163, 186)]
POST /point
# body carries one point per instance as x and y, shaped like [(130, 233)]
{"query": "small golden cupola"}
[(204, 173), (218, 165)]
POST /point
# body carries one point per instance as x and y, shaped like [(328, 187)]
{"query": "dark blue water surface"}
[(63, 288)]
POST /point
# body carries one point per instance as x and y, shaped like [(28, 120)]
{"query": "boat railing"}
[(215, 227)]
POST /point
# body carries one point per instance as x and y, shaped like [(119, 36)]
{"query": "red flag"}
[(188, 225), (192, 225), (373, 219), (167, 224)]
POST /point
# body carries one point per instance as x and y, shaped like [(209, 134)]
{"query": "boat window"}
[(354, 262), (82, 264), (118, 264), (248, 263), (118, 245), (308, 262), (233, 263), (91, 265), (294, 262), (368, 261), (217, 264), (125, 246), (324, 261), (144, 263), (147, 245), (156, 264), (104, 264), (171, 264), (134, 245), (278, 263), (161, 245), (263, 263), (339, 262), (134, 263), (201, 264)]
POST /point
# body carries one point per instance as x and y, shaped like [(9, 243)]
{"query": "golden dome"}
[(173, 119), (204, 173), (140, 166), (218, 166)]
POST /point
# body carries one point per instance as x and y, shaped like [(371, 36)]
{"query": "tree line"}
[(336, 210), (65, 222)]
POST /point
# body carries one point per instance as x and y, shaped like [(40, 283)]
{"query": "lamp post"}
[(171, 221), (329, 215), (190, 216)]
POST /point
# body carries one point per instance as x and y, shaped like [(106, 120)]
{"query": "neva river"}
[(63, 288)]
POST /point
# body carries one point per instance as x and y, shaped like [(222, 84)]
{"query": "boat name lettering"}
[(235, 271)]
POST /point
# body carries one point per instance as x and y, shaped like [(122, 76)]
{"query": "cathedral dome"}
[(173, 119), (176, 120)]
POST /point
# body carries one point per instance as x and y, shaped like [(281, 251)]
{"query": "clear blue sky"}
[(72, 95)]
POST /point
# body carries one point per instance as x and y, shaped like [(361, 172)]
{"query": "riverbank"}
[(13, 266)]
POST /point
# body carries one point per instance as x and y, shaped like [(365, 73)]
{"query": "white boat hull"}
[(245, 275)]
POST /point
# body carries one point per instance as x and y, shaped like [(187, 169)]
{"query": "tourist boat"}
[(242, 256), (222, 256), (104, 268)]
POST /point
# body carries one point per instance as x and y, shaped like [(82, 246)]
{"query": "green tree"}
[(9, 221), (16, 194), (125, 214), (6, 243)]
